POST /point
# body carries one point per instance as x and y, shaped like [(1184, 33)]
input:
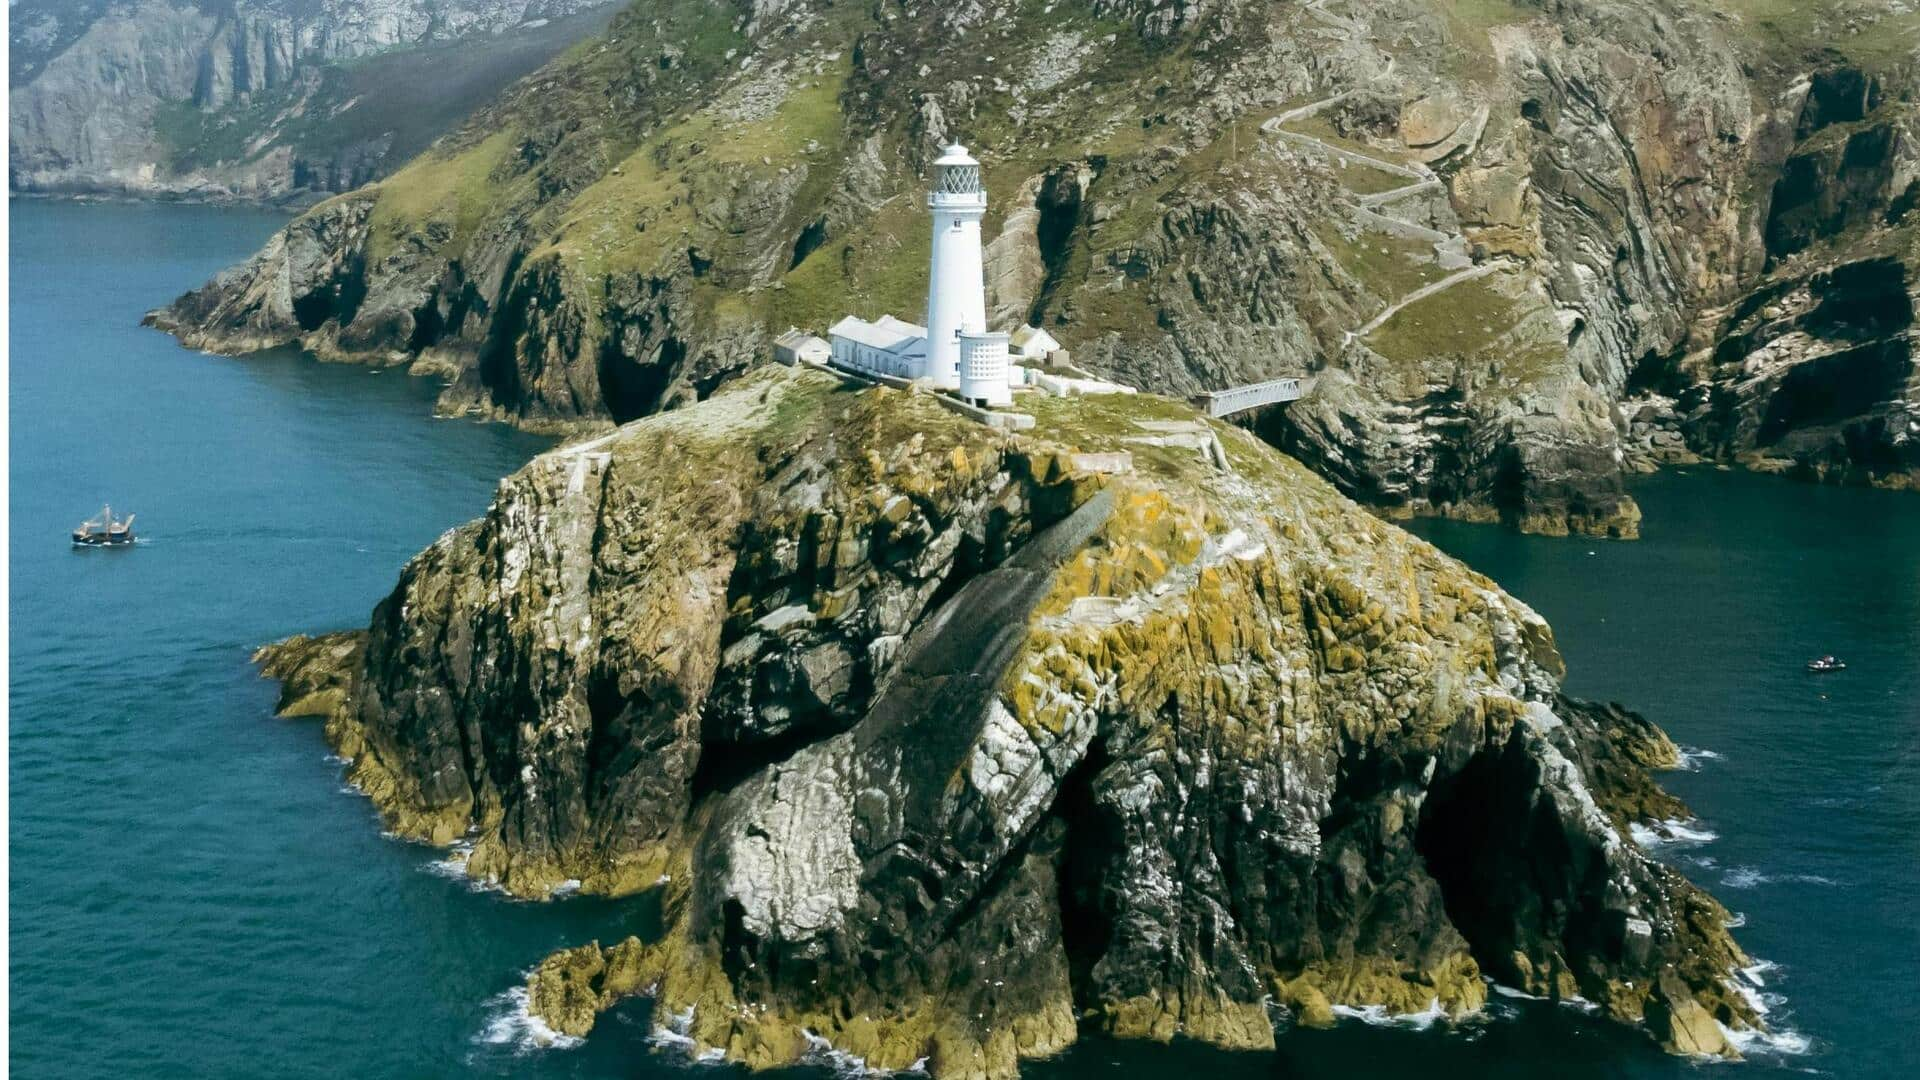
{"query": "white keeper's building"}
[(954, 350)]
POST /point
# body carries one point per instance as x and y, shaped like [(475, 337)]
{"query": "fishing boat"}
[(104, 530), (1825, 664)]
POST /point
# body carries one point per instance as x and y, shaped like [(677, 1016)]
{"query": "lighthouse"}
[(954, 351), (956, 283)]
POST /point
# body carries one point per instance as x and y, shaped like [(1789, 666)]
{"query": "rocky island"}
[(944, 744)]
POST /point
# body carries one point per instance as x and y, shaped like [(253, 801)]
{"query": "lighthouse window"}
[(956, 224), (960, 179)]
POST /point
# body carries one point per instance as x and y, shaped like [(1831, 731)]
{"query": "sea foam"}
[(1780, 1040), (454, 868), (1672, 831), (1748, 877), (1692, 758), (513, 1025), (1378, 1015)]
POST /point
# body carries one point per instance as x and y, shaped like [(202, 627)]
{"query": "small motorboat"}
[(1826, 664), (104, 530)]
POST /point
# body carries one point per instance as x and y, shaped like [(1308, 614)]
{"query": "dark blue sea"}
[(194, 895)]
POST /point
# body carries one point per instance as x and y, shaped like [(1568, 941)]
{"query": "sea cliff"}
[(943, 744), (279, 100), (1523, 250)]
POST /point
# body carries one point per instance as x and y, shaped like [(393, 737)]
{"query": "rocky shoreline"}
[(945, 744)]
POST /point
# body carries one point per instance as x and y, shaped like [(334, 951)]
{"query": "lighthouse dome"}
[(955, 154)]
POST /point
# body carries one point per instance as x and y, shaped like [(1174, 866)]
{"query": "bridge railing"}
[(1218, 403)]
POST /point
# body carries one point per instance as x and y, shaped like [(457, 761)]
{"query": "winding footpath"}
[(1470, 273), (1371, 210)]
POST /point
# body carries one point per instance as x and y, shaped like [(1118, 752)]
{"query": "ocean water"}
[(194, 895)]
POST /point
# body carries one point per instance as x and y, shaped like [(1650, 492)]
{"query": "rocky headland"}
[(1523, 250), (944, 744), (292, 100)]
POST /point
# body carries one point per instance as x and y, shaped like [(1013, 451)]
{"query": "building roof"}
[(889, 334), (1035, 335), (955, 154), (796, 337)]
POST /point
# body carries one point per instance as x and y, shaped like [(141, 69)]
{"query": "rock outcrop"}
[(1484, 232), (941, 741), (260, 99)]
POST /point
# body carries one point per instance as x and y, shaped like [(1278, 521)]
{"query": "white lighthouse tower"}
[(956, 285), (955, 351)]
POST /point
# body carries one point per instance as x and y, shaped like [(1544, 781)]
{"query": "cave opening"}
[(1510, 480), (499, 369), (1657, 373), (632, 389), (1836, 387), (1515, 881), (428, 325), (1861, 300), (1093, 837), (1838, 95), (1473, 834), (311, 310), (724, 766), (338, 300)]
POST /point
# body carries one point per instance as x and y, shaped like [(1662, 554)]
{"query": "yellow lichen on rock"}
[(941, 745)]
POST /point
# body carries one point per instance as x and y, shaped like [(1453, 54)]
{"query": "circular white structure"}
[(956, 283), (983, 368)]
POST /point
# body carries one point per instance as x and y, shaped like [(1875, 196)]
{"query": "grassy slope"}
[(627, 158), (412, 95)]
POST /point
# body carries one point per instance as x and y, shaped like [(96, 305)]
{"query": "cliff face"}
[(1486, 232), (939, 739), (258, 100)]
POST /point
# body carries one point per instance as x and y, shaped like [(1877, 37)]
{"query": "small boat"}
[(1826, 664), (104, 530)]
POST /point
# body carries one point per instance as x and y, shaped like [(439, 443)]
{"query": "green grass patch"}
[(879, 271), (457, 189), (1321, 128), (647, 206), (1468, 23), (1099, 423), (1392, 266), (1795, 30), (1364, 179), (1458, 321)]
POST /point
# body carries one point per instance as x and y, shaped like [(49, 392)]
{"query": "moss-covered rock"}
[(938, 748)]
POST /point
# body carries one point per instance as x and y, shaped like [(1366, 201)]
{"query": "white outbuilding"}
[(796, 346), (888, 346), (1033, 343)]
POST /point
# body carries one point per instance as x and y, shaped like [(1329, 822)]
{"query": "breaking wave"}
[(454, 868), (1780, 1040), (1672, 831), (513, 1026), (822, 1053), (1378, 1015), (1692, 758)]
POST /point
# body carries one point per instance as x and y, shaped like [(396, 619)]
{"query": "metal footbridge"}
[(1238, 399)]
